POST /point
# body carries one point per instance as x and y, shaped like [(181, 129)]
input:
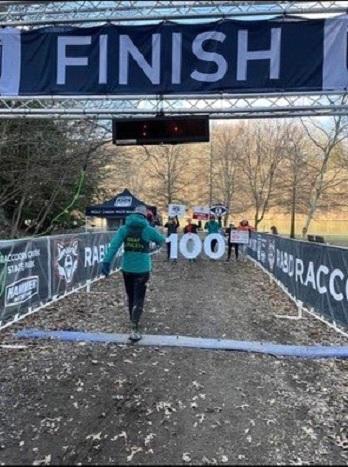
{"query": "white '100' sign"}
[(191, 246)]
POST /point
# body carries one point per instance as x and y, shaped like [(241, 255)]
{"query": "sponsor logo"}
[(218, 210), (176, 209), (21, 291), (123, 201), (67, 260), (271, 254)]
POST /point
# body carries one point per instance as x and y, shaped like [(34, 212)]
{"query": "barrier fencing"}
[(39, 271), (315, 276), (36, 272)]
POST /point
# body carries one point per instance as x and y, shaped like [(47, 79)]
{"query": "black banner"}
[(24, 280), (77, 259), (315, 274), (35, 272), (225, 56)]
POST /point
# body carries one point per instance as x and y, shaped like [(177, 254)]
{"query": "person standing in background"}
[(172, 227), (230, 244), (190, 228), (245, 226), (213, 227)]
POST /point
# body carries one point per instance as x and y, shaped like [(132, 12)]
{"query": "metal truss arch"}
[(216, 106), (31, 13), (34, 13)]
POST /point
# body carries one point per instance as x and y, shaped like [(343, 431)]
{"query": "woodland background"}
[(51, 170)]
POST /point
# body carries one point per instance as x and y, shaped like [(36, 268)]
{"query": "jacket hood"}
[(136, 220)]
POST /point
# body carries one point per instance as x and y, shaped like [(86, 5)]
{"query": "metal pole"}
[(293, 209), (211, 175)]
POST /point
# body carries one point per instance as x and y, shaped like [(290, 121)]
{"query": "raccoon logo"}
[(271, 254), (67, 260)]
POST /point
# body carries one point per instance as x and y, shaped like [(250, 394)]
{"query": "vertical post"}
[(211, 175), (293, 208), (49, 268), (293, 200)]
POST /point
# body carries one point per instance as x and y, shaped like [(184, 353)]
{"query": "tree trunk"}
[(17, 216)]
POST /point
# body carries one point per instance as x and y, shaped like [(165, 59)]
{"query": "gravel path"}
[(67, 403)]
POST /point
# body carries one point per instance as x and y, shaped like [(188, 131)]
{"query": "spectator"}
[(231, 244), (172, 228), (244, 225), (274, 230), (190, 228), (213, 227)]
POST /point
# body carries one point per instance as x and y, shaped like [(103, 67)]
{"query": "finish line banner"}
[(315, 274), (171, 58)]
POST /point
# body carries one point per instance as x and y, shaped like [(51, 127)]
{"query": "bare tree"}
[(263, 150), (165, 166), (227, 156), (293, 176), (326, 176)]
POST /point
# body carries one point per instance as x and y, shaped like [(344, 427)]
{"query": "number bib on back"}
[(134, 241)]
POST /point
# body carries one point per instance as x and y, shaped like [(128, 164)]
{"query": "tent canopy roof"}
[(118, 207)]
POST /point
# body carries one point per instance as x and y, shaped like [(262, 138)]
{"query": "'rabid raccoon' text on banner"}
[(315, 274)]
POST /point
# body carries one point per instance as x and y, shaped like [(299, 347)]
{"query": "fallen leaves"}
[(166, 406), (95, 436), (186, 457), (45, 461), (149, 438), (134, 451)]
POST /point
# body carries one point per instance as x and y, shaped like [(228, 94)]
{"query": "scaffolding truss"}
[(31, 13), (271, 105), (216, 106)]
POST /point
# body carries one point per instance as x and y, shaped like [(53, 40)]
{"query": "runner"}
[(136, 235)]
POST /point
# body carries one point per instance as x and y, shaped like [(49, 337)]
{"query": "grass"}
[(337, 240)]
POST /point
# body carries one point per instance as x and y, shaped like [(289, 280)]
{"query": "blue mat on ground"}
[(279, 350)]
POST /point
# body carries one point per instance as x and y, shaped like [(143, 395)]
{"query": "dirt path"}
[(64, 403)]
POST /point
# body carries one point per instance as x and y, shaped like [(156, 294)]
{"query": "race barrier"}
[(36, 272), (315, 276)]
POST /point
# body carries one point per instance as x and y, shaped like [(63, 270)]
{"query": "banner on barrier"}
[(225, 56), (33, 272), (24, 277), (315, 274)]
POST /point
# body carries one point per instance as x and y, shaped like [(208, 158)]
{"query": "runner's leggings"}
[(136, 288)]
